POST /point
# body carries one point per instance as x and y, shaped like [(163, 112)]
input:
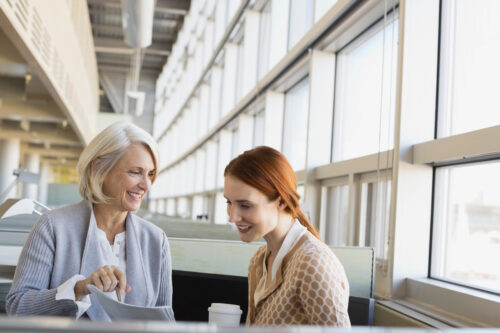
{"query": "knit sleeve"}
[(165, 292), (324, 290), (30, 293)]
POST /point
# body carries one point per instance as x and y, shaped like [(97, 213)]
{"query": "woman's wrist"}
[(80, 289)]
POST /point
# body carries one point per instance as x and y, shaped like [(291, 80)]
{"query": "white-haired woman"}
[(98, 241)]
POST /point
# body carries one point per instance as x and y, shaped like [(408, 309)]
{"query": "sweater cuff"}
[(67, 291)]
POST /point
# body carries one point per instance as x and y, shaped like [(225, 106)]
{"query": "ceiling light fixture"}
[(137, 22)]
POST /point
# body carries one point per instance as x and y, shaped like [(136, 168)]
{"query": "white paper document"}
[(122, 311)]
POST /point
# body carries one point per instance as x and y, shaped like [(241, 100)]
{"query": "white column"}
[(273, 119), (279, 30), (250, 47), (245, 135), (152, 205), (215, 98), (31, 162), (9, 157), (44, 183), (211, 165), (415, 112), (229, 77), (321, 88), (224, 155)]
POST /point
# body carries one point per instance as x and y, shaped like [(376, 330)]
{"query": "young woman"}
[(295, 279), (98, 241)]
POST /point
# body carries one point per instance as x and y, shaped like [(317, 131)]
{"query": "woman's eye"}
[(228, 202), (245, 206), (135, 172)]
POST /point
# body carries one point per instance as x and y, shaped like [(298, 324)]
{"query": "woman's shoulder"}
[(311, 247), (72, 213)]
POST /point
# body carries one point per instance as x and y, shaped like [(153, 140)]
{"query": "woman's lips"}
[(244, 229)]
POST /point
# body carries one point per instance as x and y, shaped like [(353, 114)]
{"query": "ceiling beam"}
[(108, 67), (110, 44), (39, 111), (129, 51), (58, 152), (177, 7), (40, 133)]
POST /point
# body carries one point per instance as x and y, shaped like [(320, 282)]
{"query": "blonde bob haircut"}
[(104, 151)]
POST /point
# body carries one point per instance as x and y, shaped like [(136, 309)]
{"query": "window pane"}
[(258, 129), (199, 209), (374, 217), (469, 68), (365, 94), (301, 18), (295, 124), (264, 40), (171, 207), (234, 143), (466, 232), (240, 70), (336, 227), (221, 216)]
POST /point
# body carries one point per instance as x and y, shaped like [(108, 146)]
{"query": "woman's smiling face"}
[(252, 212), (130, 179)]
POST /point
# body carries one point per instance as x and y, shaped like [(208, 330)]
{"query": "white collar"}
[(291, 238)]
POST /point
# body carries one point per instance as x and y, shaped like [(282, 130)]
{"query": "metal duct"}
[(137, 22)]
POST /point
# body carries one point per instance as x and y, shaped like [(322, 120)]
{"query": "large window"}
[(301, 19), (258, 128), (466, 232), (295, 124), (365, 94), (240, 64), (466, 215), (374, 215), (337, 229), (469, 66), (264, 40)]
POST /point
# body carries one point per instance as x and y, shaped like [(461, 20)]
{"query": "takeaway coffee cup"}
[(224, 314)]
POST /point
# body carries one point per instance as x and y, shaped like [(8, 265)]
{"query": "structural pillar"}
[(31, 163), (44, 183), (9, 161)]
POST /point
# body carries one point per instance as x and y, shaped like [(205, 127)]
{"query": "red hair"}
[(268, 170)]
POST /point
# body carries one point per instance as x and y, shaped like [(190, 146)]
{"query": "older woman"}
[(98, 241), (295, 279)]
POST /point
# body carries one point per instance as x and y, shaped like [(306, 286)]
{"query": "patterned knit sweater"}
[(310, 287)]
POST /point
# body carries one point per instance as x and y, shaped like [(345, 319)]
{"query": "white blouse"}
[(291, 238), (114, 255)]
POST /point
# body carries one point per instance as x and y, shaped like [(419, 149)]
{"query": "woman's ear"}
[(95, 164), (281, 204)]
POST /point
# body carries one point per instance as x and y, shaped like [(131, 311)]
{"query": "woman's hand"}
[(105, 278)]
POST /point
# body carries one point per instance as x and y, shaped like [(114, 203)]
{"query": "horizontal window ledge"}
[(473, 145), (451, 304), (368, 163), (413, 314)]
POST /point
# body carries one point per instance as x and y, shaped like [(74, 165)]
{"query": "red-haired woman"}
[(295, 279)]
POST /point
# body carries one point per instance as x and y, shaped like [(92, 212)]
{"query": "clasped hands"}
[(106, 278)]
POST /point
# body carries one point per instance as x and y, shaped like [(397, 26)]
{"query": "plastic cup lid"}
[(225, 308)]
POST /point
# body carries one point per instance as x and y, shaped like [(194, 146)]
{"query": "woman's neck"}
[(109, 219), (275, 238)]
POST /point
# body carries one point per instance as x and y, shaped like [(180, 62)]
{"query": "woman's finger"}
[(122, 280), (95, 279)]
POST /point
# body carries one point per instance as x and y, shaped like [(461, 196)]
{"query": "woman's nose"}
[(233, 215), (145, 183)]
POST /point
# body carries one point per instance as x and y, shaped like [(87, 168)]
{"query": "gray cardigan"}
[(63, 243)]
